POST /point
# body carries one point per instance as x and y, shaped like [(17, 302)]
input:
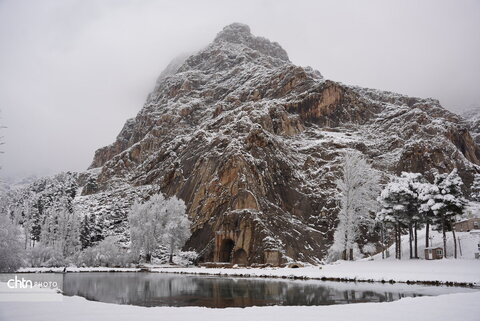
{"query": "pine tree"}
[(475, 189), (395, 201), (427, 193), (85, 228), (97, 225), (415, 183), (449, 203), (36, 227), (404, 205)]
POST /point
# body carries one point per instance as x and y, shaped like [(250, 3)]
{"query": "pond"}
[(158, 289)]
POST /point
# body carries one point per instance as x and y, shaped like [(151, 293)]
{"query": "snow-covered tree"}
[(427, 196), (158, 221), (11, 249), (475, 189), (405, 204), (358, 190), (85, 230), (449, 203), (177, 229), (414, 213), (91, 230), (395, 200), (29, 206), (61, 230), (145, 222)]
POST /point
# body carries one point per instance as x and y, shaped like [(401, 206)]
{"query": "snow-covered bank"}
[(467, 245), (75, 269), (463, 306), (443, 271)]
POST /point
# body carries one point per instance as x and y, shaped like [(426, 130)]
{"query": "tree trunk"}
[(148, 258), (460, 247), (171, 258), (416, 242), (410, 236), (351, 254), (396, 241), (344, 255), (454, 243), (427, 235), (399, 242), (382, 236), (444, 237)]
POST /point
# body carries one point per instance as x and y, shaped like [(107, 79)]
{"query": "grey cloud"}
[(73, 71)]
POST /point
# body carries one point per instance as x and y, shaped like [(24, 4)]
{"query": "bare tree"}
[(158, 221), (358, 190)]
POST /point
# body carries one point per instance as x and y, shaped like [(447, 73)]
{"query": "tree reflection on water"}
[(155, 289)]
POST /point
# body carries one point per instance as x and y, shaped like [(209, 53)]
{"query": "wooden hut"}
[(433, 253)]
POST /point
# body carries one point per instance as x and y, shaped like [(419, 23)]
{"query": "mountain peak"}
[(235, 32), (239, 33)]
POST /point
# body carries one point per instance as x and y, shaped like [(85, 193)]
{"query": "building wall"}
[(467, 225), (437, 253)]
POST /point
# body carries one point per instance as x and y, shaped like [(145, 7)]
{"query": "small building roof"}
[(468, 219)]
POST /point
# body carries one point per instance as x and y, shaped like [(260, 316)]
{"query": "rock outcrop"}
[(252, 143)]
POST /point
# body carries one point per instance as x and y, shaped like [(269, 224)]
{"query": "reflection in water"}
[(155, 289)]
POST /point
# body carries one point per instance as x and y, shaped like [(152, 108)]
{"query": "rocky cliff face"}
[(252, 144), (472, 121)]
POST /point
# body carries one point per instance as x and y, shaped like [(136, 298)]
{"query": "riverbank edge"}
[(334, 279), (231, 273)]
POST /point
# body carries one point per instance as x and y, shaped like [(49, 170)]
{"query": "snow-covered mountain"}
[(472, 119), (252, 143)]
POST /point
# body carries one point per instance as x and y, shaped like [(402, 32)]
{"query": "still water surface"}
[(156, 289)]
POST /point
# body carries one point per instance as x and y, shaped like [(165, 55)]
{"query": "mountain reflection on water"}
[(157, 289)]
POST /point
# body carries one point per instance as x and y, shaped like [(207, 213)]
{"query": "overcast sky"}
[(72, 71)]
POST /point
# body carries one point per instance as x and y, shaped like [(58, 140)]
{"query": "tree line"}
[(408, 202), (40, 227)]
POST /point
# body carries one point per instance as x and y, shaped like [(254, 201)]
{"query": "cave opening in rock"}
[(226, 250)]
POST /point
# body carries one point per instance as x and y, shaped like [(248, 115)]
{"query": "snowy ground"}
[(463, 270), (462, 306), (449, 270)]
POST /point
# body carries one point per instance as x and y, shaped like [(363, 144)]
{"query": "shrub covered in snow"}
[(11, 250), (106, 253), (46, 256)]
